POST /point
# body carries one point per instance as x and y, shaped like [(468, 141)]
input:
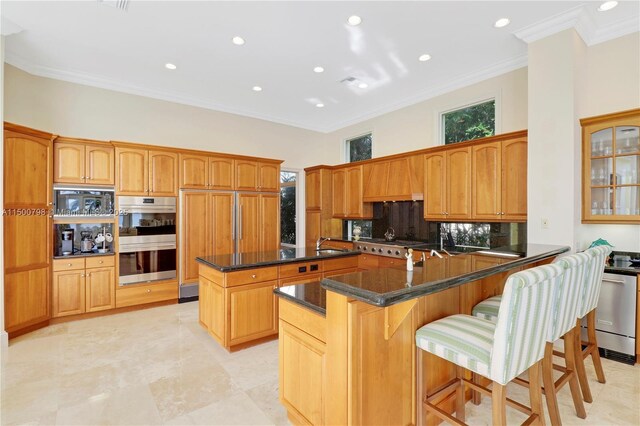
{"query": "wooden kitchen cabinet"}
[(221, 173), (348, 194), (313, 190), (611, 168), (394, 180), (68, 162), (253, 312), (258, 222), (146, 172), (447, 184), (99, 165), (100, 289), (68, 293), (82, 161), (339, 190), (203, 172), (269, 222), (318, 195), (257, 176), (268, 177), (500, 180)]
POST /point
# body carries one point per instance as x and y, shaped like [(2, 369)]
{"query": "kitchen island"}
[(354, 351), (237, 305)]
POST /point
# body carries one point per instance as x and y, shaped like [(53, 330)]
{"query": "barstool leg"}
[(460, 397), (535, 391), (549, 385), (593, 345), (476, 397), (420, 417), (570, 361), (579, 360), (498, 403)]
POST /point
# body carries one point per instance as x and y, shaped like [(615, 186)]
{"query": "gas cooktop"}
[(382, 247)]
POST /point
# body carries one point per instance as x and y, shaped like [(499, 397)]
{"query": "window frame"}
[(347, 141), (496, 97)]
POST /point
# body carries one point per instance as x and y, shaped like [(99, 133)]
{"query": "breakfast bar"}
[(349, 340)]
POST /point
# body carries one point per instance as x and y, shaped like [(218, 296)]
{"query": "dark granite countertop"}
[(80, 254), (235, 262), (309, 295), (388, 286), (619, 263)]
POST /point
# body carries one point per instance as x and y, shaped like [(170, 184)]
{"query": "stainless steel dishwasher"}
[(616, 317)]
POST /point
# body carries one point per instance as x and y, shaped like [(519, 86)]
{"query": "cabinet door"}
[(248, 223), (27, 171), (20, 233), (69, 162), (204, 302), (514, 180), (376, 187), (435, 182), (212, 309), (100, 289), (302, 366), (163, 173), (194, 171), (221, 173), (313, 190), (68, 293), (486, 181), (196, 232), (99, 165), (269, 222), (458, 183), (339, 190), (252, 312), (221, 220), (132, 171), (312, 228), (269, 175), (26, 298), (355, 207), (246, 175)]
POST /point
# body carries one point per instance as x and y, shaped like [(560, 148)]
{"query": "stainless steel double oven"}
[(147, 239)]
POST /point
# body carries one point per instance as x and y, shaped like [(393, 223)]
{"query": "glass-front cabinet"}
[(611, 168)]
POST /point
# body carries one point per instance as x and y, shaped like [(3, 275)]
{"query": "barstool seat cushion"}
[(461, 339), (488, 309)]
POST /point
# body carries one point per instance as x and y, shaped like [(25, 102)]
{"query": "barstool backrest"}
[(568, 295), (593, 280), (523, 321)]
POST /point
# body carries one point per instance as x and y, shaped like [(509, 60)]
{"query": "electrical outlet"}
[(545, 223)]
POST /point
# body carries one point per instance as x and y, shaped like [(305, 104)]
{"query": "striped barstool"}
[(587, 308), (499, 351)]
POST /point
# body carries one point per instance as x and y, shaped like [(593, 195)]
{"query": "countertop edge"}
[(315, 308), (398, 296), (276, 262)]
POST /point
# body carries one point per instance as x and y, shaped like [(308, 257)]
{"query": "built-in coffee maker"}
[(67, 241)]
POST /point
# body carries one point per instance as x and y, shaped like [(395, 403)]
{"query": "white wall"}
[(4, 337)]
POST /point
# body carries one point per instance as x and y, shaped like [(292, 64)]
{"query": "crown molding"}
[(101, 82), (619, 29), (546, 27)]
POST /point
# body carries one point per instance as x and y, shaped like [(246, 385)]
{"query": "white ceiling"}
[(91, 43)]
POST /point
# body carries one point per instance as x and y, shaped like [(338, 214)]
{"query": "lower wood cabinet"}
[(252, 311), (146, 293), (100, 289), (68, 293)]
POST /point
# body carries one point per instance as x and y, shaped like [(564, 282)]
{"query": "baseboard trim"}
[(188, 299), (4, 341)]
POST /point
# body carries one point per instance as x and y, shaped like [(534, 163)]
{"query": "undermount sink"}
[(329, 250)]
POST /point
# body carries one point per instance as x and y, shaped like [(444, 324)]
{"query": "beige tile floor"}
[(157, 366)]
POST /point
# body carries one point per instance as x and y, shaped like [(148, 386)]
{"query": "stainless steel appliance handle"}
[(240, 223), (146, 247), (613, 281)]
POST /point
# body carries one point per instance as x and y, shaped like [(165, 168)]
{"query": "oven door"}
[(147, 262)]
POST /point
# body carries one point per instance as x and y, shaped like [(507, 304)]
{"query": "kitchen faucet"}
[(320, 241)]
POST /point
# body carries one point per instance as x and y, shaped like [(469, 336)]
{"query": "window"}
[(288, 182), (359, 148), (470, 122)]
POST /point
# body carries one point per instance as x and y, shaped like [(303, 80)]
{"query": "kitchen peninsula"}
[(350, 340), (237, 304)]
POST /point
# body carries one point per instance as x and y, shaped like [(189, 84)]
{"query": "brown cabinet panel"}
[(312, 228), (20, 232), (248, 223), (142, 294), (69, 162), (99, 262), (339, 189), (221, 221), (313, 190), (99, 165), (355, 206), (27, 168), (253, 312), (459, 183), (269, 223), (269, 177), (368, 261), (514, 180), (487, 181), (221, 173), (26, 298), (246, 175), (194, 171), (435, 185), (251, 276), (132, 171), (303, 279), (68, 293), (100, 289), (196, 237), (163, 173), (376, 187)]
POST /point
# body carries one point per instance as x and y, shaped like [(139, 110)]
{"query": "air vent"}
[(116, 4), (349, 80)]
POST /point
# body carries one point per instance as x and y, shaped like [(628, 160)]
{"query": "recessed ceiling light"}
[(607, 5), (170, 66), (363, 85), (318, 69), (238, 40), (425, 57), (502, 22), (320, 105), (257, 89), (354, 20)]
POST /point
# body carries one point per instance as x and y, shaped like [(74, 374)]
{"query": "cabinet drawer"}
[(367, 261), (339, 272), (299, 280), (250, 276), (387, 262), (68, 264), (340, 263), (100, 261), (140, 295), (345, 245), (301, 269)]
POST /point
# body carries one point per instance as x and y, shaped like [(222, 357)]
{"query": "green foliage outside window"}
[(288, 208), (472, 122), (359, 148)]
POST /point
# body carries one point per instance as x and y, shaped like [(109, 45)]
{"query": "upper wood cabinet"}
[(500, 180), (203, 172), (313, 190), (447, 184), (77, 161), (611, 168), (397, 179), (257, 176), (320, 221), (146, 172), (348, 192)]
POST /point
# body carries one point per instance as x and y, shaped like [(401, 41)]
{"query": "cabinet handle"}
[(253, 275), (148, 290), (498, 213), (69, 264), (240, 224), (101, 262)]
